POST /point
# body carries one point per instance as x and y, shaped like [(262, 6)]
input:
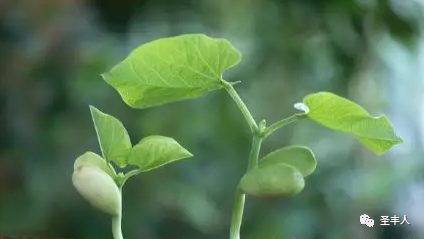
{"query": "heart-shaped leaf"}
[(113, 137), (300, 157), (272, 180), (172, 69), (155, 151), (93, 159), (343, 115)]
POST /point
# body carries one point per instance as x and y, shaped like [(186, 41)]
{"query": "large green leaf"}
[(155, 151), (113, 137), (300, 157), (172, 69), (92, 159), (272, 180), (343, 115)]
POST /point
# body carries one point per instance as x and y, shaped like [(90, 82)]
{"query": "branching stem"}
[(259, 133), (279, 124)]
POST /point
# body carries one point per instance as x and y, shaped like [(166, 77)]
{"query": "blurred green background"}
[(51, 55)]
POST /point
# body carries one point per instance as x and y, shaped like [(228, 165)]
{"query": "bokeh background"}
[(51, 55)]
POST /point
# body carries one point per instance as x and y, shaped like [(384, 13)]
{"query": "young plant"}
[(188, 66), (96, 179)]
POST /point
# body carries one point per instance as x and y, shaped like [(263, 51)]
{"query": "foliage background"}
[(51, 55)]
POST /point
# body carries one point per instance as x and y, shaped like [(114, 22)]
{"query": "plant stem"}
[(116, 221), (243, 108), (129, 175), (237, 215), (239, 199), (258, 132), (282, 123), (254, 152)]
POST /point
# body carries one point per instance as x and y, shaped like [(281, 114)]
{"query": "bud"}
[(302, 107), (98, 188)]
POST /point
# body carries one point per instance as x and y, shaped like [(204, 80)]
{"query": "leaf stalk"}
[(243, 108), (281, 123)]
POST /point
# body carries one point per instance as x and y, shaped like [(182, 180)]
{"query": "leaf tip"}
[(186, 154), (92, 109), (104, 75), (189, 155)]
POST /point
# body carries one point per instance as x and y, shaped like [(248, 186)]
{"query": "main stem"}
[(237, 214), (116, 221), (258, 134)]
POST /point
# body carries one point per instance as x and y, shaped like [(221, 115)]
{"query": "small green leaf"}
[(113, 137), (172, 69), (155, 151), (272, 180), (93, 159), (300, 157), (343, 115)]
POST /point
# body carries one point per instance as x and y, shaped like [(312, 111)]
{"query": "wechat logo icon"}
[(366, 220)]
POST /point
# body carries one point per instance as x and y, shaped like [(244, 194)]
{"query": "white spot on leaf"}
[(302, 107)]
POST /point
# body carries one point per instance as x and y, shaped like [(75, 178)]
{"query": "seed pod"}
[(98, 188)]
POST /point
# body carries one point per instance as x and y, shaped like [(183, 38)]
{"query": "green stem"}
[(239, 199), (282, 123), (129, 175), (237, 215), (259, 133), (254, 152), (116, 222), (243, 108)]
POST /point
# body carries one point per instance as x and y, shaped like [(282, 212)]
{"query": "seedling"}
[(96, 179), (188, 66)]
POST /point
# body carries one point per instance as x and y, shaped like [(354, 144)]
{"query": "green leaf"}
[(272, 180), (300, 157), (343, 115), (93, 159), (172, 69), (155, 151), (113, 137)]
